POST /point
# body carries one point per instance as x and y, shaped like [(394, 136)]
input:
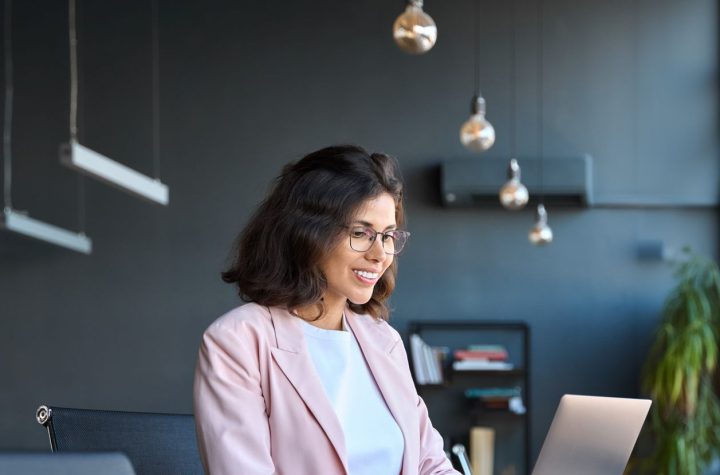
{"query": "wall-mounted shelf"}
[(453, 414)]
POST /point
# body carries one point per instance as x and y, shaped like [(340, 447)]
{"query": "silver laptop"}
[(64, 463), (591, 435)]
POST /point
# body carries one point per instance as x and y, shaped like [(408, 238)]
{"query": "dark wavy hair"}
[(276, 257)]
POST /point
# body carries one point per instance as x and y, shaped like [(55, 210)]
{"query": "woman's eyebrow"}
[(369, 225)]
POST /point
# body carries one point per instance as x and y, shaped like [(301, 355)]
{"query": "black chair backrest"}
[(155, 443), (31, 463)]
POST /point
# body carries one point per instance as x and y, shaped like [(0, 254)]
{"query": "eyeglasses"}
[(363, 237)]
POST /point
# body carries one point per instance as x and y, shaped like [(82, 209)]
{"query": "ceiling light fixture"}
[(513, 194), (84, 160), (477, 133), (540, 234), (414, 30), (10, 219)]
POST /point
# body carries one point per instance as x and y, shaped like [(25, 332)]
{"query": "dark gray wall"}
[(248, 86)]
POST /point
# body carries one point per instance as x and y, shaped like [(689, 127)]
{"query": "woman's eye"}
[(358, 233)]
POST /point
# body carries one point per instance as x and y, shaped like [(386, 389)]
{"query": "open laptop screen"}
[(591, 435)]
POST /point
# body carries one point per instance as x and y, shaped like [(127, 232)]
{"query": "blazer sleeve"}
[(432, 458), (230, 414)]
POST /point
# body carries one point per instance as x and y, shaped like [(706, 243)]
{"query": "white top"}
[(373, 439)]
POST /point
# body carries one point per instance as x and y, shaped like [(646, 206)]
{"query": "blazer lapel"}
[(294, 360), (379, 348)]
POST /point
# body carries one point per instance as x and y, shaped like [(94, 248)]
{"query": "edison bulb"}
[(513, 194), (540, 234), (477, 134), (414, 31)]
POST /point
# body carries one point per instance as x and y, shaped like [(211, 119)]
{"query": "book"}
[(498, 399), (482, 450), (490, 355), (418, 359), (432, 374), (440, 354), (473, 393), (474, 365), (427, 361)]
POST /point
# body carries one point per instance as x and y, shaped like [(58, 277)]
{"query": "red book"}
[(497, 355)]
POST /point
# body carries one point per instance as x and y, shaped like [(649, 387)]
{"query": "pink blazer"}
[(260, 407)]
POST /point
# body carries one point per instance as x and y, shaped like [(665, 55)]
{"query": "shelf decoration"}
[(482, 450)]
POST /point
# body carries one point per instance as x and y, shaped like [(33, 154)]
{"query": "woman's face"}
[(352, 275)]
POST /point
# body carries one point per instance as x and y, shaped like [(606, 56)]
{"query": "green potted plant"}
[(679, 373)]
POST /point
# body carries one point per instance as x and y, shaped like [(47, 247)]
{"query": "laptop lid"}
[(66, 463), (591, 435)]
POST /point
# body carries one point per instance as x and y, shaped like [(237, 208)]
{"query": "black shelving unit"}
[(452, 414)]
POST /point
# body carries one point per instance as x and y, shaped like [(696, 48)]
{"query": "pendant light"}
[(540, 234), (477, 133), (10, 219), (414, 31), (513, 194), (89, 162)]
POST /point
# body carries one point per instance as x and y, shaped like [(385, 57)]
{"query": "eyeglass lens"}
[(362, 239)]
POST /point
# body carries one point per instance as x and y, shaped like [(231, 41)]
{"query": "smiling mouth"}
[(366, 277)]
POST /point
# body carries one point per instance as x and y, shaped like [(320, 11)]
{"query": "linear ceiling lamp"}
[(85, 160), (23, 224), (108, 171), (11, 220)]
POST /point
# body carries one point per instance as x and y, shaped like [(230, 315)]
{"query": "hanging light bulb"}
[(513, 194), (477, 134), (540, 234), (414, 31)]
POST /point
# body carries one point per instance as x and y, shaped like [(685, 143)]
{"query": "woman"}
[(308, 378)]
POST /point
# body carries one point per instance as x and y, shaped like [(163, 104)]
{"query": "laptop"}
[(591, 435), (66, 463)]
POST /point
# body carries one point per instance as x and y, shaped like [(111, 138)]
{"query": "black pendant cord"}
[(476, 46), (73, 43), (7, 119), (81, 204), (513, 82), (72, 32), (635, 93), (541, 90), (156, 88)]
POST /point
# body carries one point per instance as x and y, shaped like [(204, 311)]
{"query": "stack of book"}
[(498, 399), (428, 361), (482, 357)]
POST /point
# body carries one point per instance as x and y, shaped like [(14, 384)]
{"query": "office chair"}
[(33, 463), (155, 443)]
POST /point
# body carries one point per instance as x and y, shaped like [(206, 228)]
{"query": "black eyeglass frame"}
[(372, 235)]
